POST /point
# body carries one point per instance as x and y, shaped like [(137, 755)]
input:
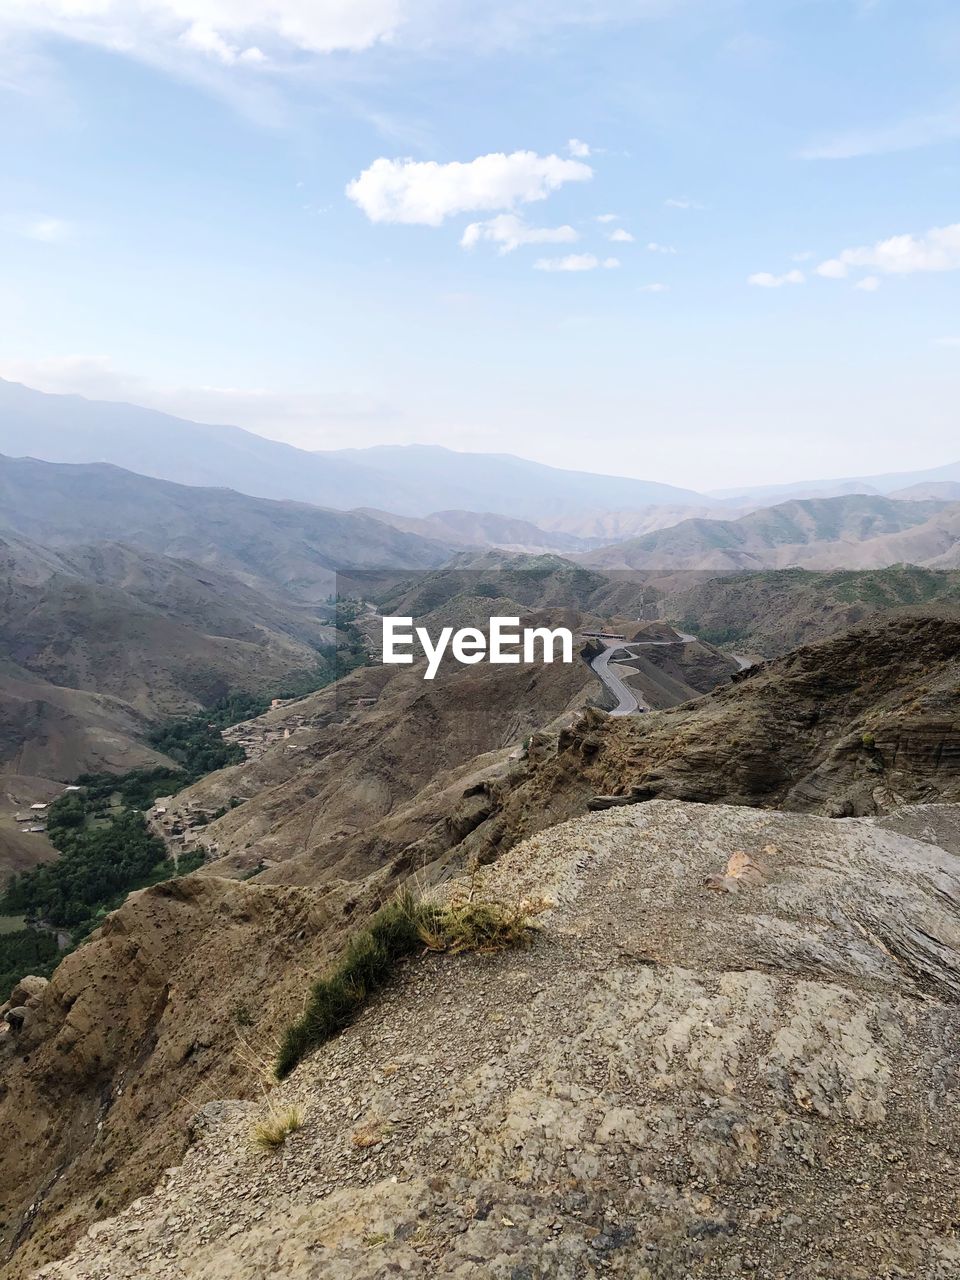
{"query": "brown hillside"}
[(153, 1017)]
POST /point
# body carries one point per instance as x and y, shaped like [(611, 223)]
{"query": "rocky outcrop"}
[(670, 1082), (853, 726), (17, 1013), (155, 1015)]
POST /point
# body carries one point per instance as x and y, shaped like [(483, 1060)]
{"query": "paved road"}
[(627, 701)]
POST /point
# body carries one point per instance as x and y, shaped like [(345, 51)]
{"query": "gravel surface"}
[(731, 1051)]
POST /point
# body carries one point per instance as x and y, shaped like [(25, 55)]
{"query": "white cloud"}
[(765, 280), (576, 262), (937, 250), (833, 269), (49, 230), (227, 31), (577, 148), (621, 236), (425, 192), (204, 39), (226, 45), (656, 287), (654, 247), (682, 202), (869, 284), (510, 232), (607, 217)]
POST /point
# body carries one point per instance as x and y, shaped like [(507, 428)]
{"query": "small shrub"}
[(242, 1015), (477, 926), (272, 1131), (398, 930), (367, 964), (869, 741), (368, 1135)]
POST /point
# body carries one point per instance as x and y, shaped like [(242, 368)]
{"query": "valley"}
[(236, 784), (479, 640)]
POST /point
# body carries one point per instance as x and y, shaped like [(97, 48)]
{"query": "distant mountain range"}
[(409, 480), (420, 481), (264, 543), (896, 484), (852, 532)]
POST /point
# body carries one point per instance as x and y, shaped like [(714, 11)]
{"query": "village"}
[(257, 735), (181, 824), (34, 820)]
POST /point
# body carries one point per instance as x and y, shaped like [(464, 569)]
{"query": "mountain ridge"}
[(849, 531), (261, 541), (883, 484), (403, 479)]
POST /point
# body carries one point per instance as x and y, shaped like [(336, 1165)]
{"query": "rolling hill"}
[(264, 543), (173, 638), (486, 529), (98, 644), (776, 610), (855, 531)]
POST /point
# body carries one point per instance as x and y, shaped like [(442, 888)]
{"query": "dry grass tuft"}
[(398, 930), (272, 1131), (464, 925)]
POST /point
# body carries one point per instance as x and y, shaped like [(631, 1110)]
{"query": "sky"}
[(708, 242)]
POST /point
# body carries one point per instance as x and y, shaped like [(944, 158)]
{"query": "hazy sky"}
[(699, 241)]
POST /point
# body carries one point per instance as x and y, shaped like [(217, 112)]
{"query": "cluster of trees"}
[(105, 847), (351, 650), (195, 744), (101, 792), (97, 866), (26, 951)]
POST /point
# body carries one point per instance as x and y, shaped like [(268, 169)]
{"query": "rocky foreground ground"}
[(732, 1050)]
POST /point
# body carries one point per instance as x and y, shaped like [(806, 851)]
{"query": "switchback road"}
[(627, 701)]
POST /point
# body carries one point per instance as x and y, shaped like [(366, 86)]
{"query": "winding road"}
[(627, 702)]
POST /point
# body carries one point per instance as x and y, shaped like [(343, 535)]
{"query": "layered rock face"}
[(852, 726), (731, 1051)]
